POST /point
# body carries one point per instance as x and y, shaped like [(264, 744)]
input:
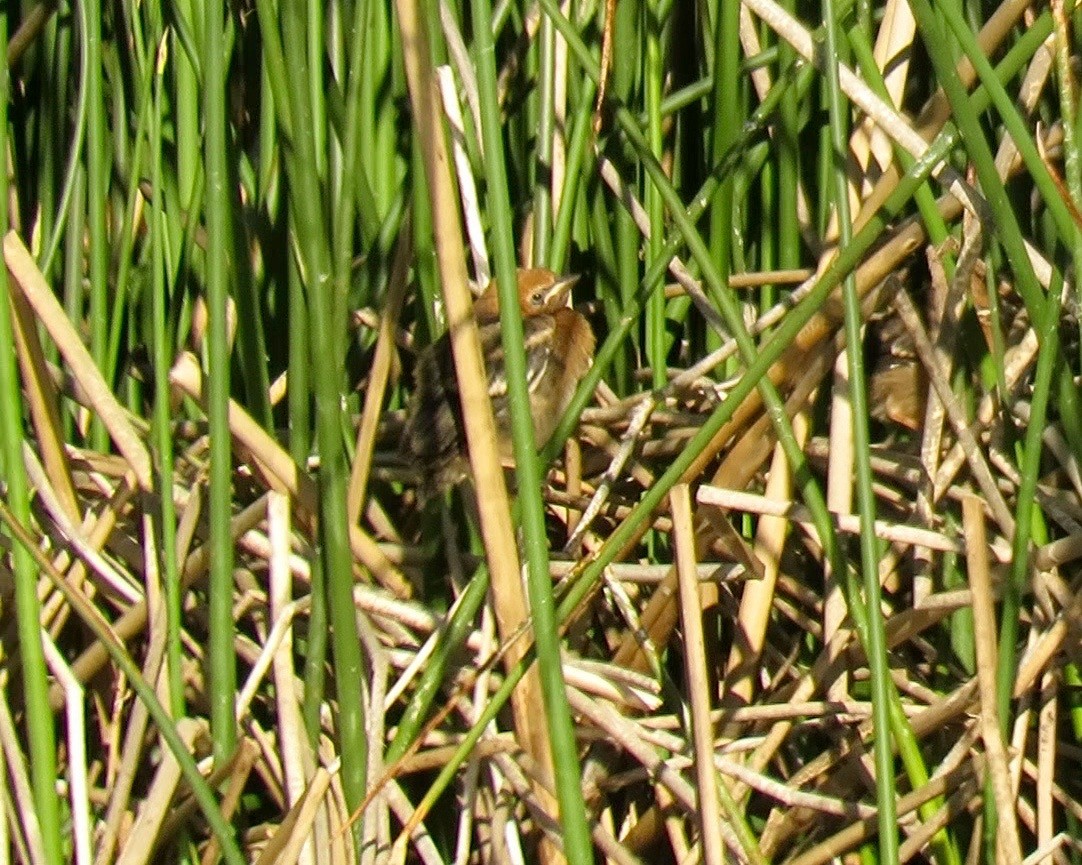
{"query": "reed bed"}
[(796, 579)]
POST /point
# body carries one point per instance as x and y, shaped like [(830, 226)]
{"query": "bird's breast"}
[(538, 332)]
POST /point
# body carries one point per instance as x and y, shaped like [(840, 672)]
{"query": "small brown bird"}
[(559, 349)]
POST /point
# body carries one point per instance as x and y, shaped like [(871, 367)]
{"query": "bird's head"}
[(540, 292)]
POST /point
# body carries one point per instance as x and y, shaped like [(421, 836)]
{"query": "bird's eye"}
[(537, 298)]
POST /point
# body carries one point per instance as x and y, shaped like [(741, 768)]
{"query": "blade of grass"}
[(128, 226), (108, 639), (344, 212), (1010, 235), (162, 354), (40, 729), (625, 63), (492, 507), (876, 645), (726, 75), (452, 636), (582, 581), (97, 181), (788, 159), (314, 268), (222, 657), (575, 170), (652, 84), (74, 168), (576, 834), (1072, 160), (546, 127), (185, 110)]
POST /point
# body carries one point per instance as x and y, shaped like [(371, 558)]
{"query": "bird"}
[(559, 344)]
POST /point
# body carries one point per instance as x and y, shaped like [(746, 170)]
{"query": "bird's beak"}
[(560, 289)]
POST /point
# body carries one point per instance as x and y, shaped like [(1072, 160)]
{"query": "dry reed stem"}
[(1008, 848), (816, 807), (75, 739), (382, 363), (629, 737), (19, 795), (186, 376), (72, 534), (295, 831), (43, 401), (40, 296), (839, 495), (955, 413), (122, 777), (893, 41), (157, 803), (848, 524), (297, 760), (134, 619), (1046, 760), (757, 598), (1037, 658), (698, 680), (493, 507)]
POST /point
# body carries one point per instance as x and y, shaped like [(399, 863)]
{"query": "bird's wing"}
[(537, 334), (433, 424)]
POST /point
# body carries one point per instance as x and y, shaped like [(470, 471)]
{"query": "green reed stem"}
[(144, 690), (584, 581), (97, 175), (162, 351), (876, 646), (576, 835), (222, 656), (314, 267), (40, 729)]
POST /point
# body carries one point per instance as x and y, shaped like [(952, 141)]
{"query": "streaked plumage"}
[(559, 349)]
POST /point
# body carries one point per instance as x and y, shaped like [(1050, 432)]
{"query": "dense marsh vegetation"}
[(800, 564)]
